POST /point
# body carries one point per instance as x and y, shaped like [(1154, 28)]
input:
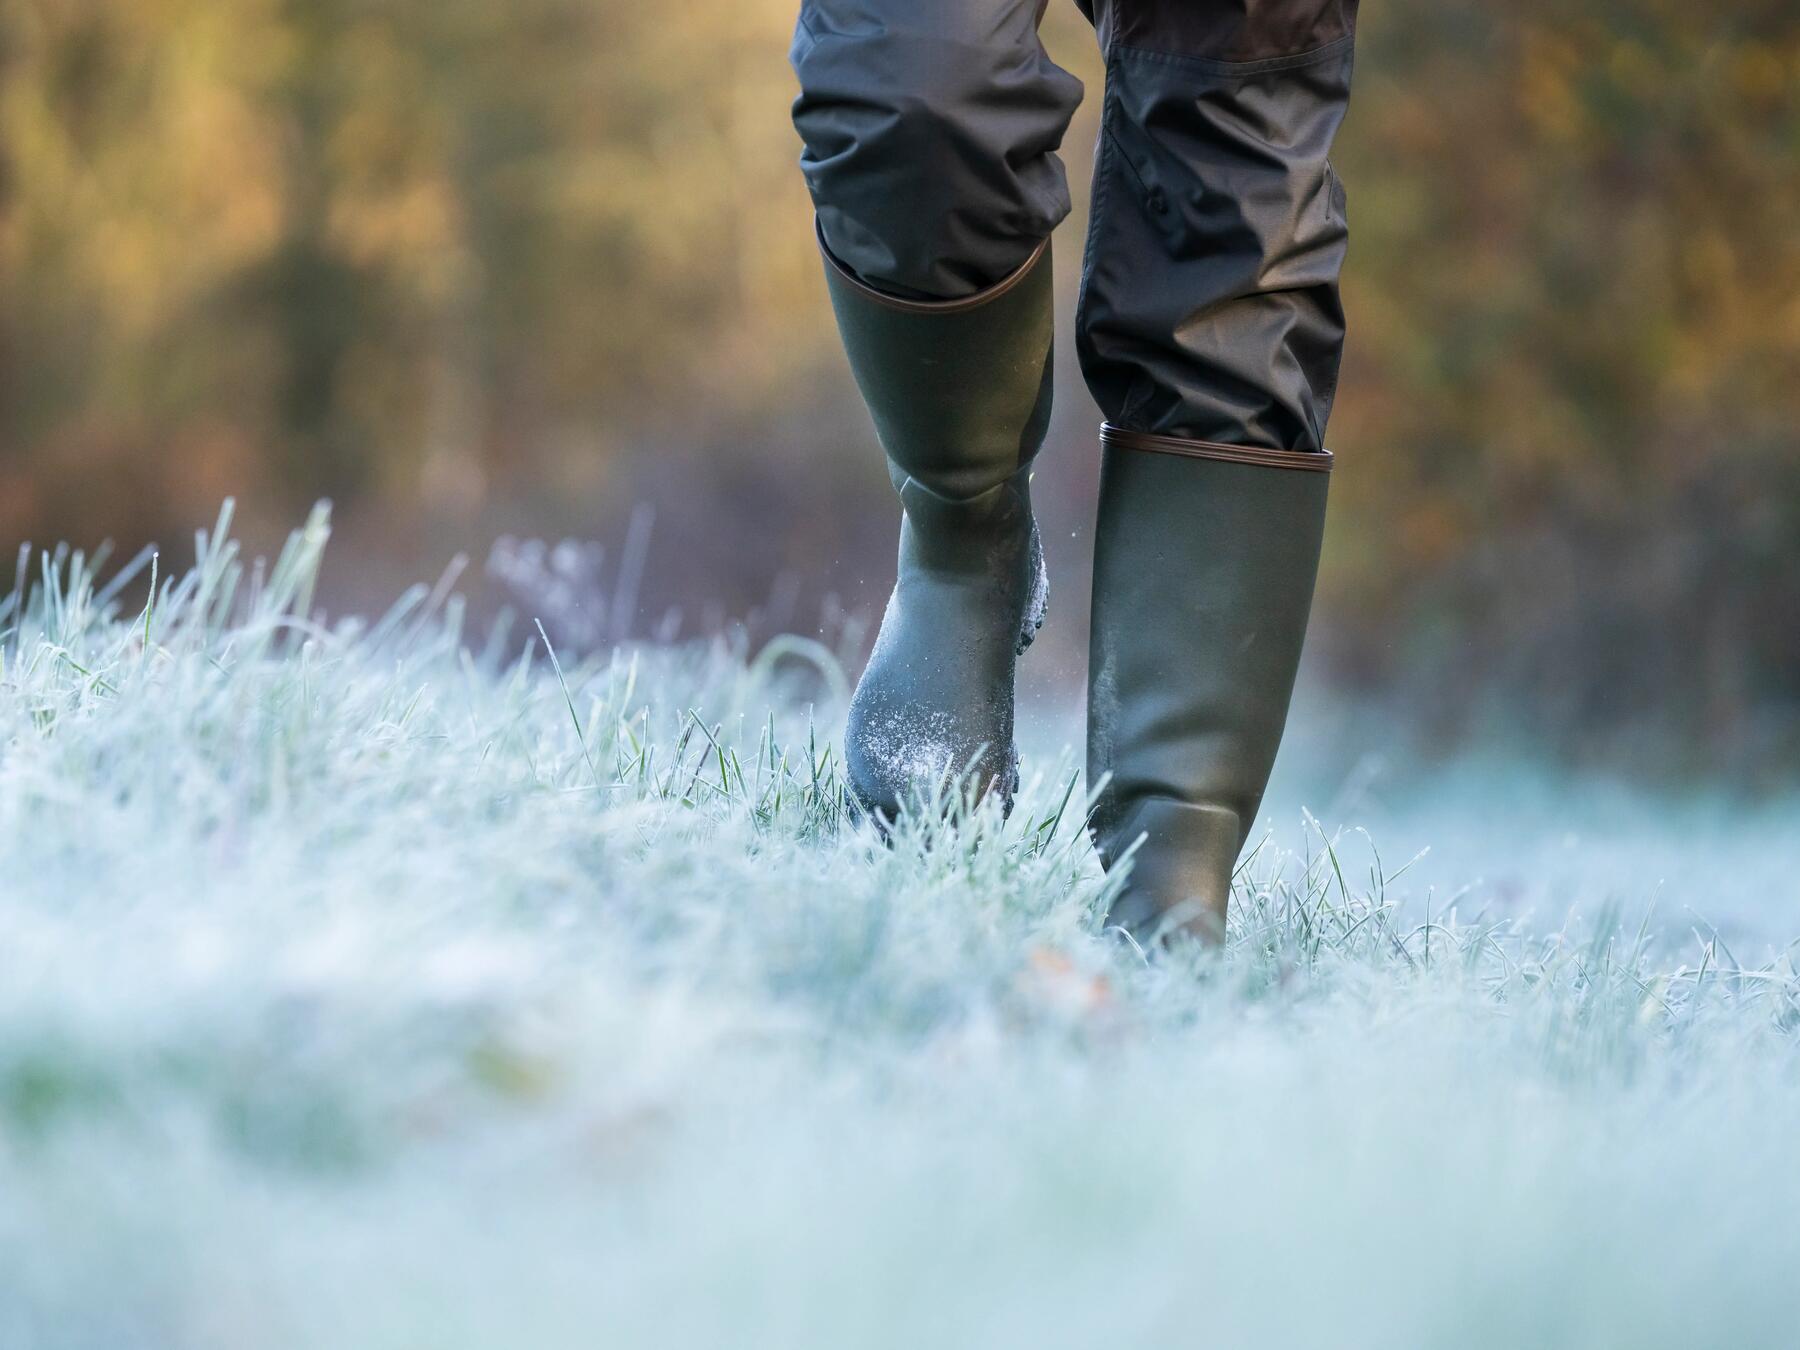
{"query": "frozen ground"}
[(381, 986)]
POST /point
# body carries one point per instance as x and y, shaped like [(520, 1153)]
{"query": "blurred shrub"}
[(1572, 486), (427, 255), (251, 243)]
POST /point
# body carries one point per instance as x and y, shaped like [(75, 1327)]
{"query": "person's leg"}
[(930, 130), (1210, 330)]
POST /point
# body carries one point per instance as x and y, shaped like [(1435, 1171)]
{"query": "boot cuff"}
[(955, 306), (1318, 461)]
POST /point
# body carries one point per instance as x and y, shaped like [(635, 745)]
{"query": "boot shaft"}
[(1205, 559), (959, 390)]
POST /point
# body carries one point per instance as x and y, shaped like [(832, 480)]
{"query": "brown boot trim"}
[(956, 306), (1318, 461)]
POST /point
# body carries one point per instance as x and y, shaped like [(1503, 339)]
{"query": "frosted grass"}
[(385, 985)]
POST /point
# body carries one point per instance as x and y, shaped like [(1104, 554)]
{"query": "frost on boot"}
[(959, 391), (933, 713)]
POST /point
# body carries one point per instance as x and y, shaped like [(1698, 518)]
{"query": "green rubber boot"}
[(1204, 564), (960, 394)]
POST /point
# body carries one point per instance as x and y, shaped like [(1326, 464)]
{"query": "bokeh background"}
[(543, 270)]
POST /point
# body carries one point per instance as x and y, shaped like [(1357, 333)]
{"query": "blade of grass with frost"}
[(569, 702), (315, 943)]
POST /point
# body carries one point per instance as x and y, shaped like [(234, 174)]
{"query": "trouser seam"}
[(1104, 172), (1211, 66), (1098, 198)]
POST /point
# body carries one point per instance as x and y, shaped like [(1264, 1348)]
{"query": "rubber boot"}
[(1204, 565), (960, 394)]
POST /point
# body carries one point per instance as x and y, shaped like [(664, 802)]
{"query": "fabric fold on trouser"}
[(930, 131), (1209, 306)]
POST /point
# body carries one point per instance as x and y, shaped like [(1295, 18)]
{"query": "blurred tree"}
[(435, 256), (1575, 284), (352, 246)]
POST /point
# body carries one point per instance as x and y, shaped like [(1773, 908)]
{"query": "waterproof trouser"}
[(1209, 305), (1209, 330)]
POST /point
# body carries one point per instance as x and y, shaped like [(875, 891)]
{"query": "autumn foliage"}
[(448, 259)]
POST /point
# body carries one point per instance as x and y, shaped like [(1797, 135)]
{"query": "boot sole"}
[(1037, 608)]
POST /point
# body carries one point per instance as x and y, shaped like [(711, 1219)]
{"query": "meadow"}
[(384, 983)]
